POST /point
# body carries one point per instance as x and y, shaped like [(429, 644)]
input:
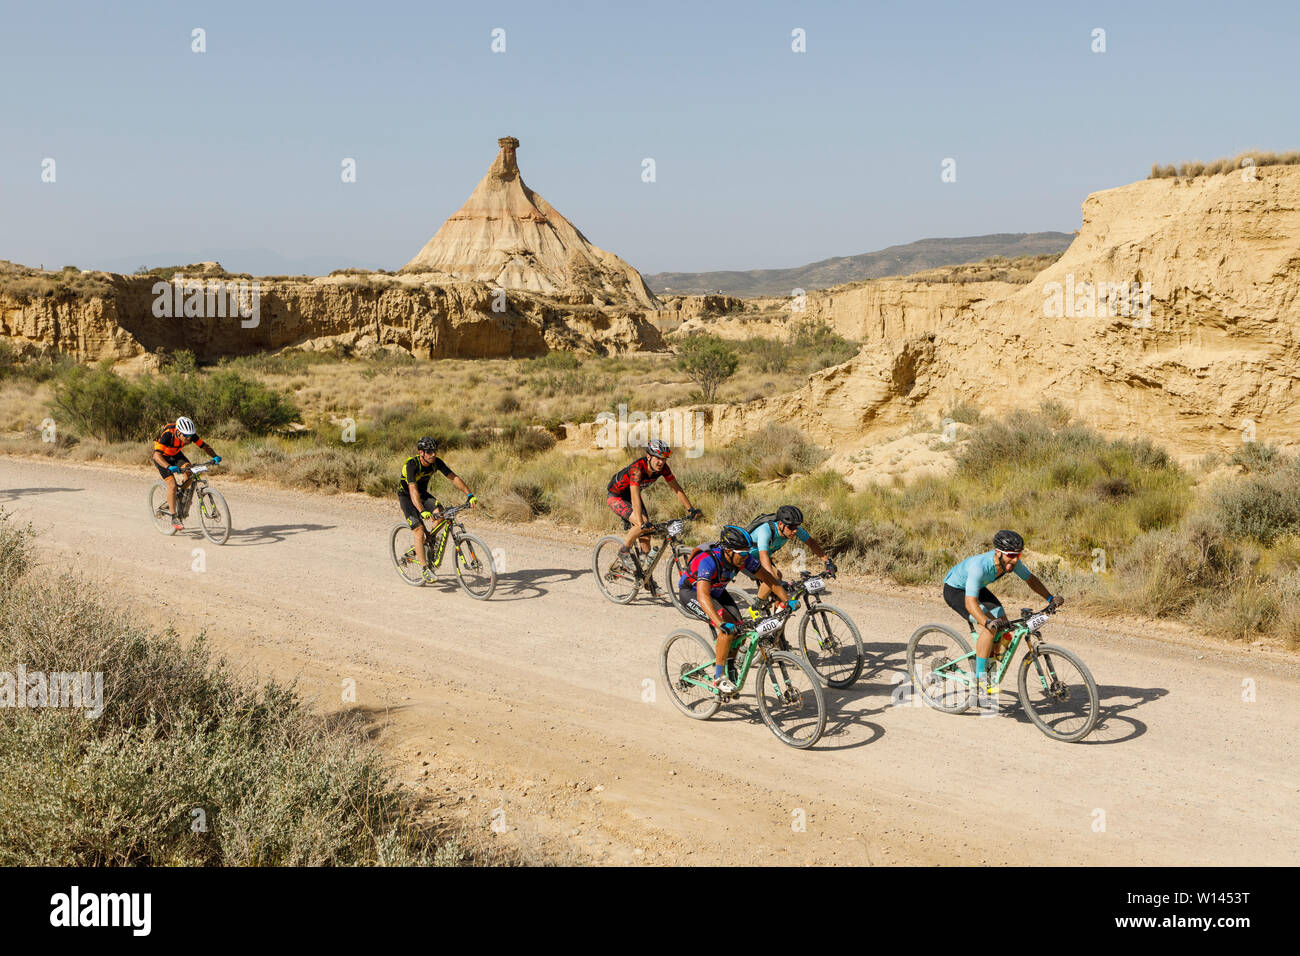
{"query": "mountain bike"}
[(1056, 688), (789, 692), (828, 638), (474, 567), (214, 515), (621, 576)]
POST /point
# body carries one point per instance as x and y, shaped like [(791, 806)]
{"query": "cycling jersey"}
[(638, 473), (979, 571), (768, 538), (708, 565), (171, 441), (413, 471)]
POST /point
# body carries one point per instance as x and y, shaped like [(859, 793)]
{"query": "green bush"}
[(179, 731), (100, 403), (708, 362), (1264, 507)]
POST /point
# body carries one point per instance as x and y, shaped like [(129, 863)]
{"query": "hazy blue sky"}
[(765, 157)]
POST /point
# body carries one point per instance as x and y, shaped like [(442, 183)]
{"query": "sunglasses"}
[(1015, 555)]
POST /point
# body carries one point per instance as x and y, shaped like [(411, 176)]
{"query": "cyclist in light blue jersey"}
[(965, 590), (770, 533)]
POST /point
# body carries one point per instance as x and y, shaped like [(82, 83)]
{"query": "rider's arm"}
[(808, 539), (765, 562), (459, 482), (414, 492), (1038, 586), (703, 593), (681, 495), (761, 574), (638, 509), (158, 457)]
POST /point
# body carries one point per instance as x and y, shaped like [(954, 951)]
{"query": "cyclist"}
[(170, 462), (771, 532), (413, 494), (627, 501), (703, 589), (965, 590)]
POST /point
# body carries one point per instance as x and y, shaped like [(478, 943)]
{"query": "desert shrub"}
[(1257, 456), (1263, 507), (1165, 572), (818, 346), (778, 451), (33, 368), (179, 729), (1225, 165), (708, 362), (557, 361)]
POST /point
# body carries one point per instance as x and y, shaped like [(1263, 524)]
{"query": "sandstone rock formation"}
[(509, 237), (118, 320), (1206, 356)]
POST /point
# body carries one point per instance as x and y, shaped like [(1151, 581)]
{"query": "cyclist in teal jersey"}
[(771, 535), (965, 590)]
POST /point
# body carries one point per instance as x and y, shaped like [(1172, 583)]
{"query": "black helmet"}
[(1008, 541), (735, 539), (427, 444), (789, 515)]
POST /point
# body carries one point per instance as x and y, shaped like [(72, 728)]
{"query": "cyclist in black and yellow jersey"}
[(413, 494)]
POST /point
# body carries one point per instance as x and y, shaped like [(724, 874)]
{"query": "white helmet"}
[(186, 427)]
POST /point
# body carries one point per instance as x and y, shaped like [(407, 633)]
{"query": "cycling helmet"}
[(735, 539), (659, 448), (789, 515), (186, 427), (1008, 541), (427, 444)]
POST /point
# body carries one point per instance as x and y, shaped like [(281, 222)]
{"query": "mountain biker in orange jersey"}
[(965, 590), (703, 590), (625, 494), (169, 461), (413, 495)]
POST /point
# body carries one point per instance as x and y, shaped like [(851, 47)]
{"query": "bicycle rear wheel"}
[(830, 642), (685, 664), (158, 511), (615, 577), (401, 548), (937, 669), (214, 516), (1059, 693), (474, 567), (790, 699), (674, 568)]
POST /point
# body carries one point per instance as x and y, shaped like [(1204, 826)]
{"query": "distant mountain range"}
[(894, 261)]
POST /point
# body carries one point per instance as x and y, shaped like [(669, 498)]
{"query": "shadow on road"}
[(525, 585), (269, 534), (1113, 726), (13, 494)]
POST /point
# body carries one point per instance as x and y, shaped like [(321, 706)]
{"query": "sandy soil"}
[(539, 710)]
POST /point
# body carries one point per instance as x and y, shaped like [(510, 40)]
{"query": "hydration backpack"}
[(759, 522), (692, 563)]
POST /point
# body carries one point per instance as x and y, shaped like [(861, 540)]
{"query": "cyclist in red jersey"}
[(626, 491)]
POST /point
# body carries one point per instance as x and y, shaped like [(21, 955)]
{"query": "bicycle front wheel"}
[(158, 511), (615, 576), (830, 642), (686, 667), (214, 516), (401, 548), (1059, 693), (474, 567), (673, 571), (790, 699), (941, 668)]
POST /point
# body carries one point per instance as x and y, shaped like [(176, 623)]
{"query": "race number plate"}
[(674, 528), (815, 584), (1035, 622), (769, 625), (198, 469)]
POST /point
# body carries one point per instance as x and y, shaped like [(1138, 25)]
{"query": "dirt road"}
[(539, 709)]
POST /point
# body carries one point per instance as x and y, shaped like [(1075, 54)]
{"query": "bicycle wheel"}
[(158, 512), (401, 548), (830, 642), (687, 658), (214, 516), (790, 699), (614, 578), (474, 567), (943, 685), (1061, 696), (674, 568)]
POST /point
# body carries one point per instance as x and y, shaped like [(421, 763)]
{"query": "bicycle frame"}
[(435, 542), (1021, 631), (755, 644), (668, 543)]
